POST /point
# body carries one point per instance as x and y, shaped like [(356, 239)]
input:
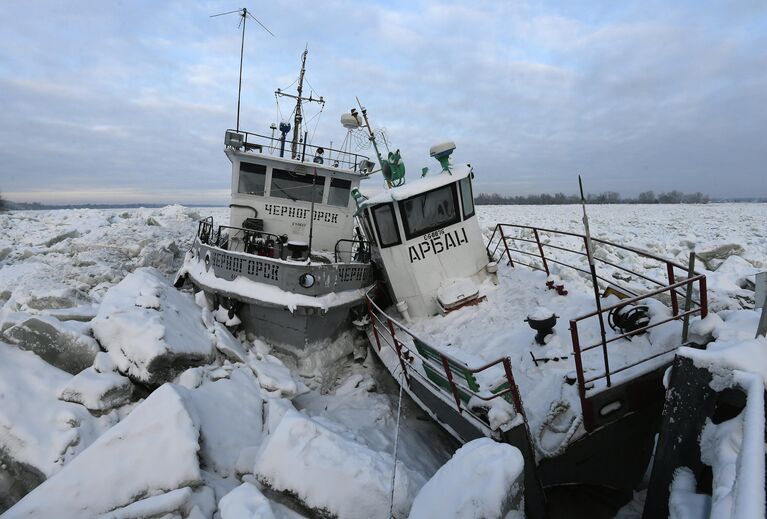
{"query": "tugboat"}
[(292, 264), (477, 345)]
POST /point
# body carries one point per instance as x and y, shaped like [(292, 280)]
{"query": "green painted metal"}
[(393, 169), (460, 372)]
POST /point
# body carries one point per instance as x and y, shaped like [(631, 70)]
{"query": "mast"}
[(242, 51), (299, 116), (244, 14)]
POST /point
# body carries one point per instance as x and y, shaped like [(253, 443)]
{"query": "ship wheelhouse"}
[(301, 200), (427, 239)]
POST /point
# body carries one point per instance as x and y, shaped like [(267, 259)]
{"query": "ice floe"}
[(151, 330)]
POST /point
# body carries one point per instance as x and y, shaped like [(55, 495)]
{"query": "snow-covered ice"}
[(65, 345), (151, 330), (97, 391), (73, 283), (483, 479), (36, 428), (333, 473), (151, 452)]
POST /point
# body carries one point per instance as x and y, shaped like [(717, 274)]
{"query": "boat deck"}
[(495, 328)]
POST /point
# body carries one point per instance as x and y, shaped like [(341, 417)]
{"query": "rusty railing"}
[(524, 245), (388, 332)]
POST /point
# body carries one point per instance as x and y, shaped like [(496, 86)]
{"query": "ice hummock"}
[(332, 473), (151, 330), (482, 479), (151, 452), (68, 278), (37, 429)]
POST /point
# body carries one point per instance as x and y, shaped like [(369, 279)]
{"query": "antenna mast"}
[(299, 115), (243, 13)]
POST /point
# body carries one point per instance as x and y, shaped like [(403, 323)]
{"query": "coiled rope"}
[(557, 409)]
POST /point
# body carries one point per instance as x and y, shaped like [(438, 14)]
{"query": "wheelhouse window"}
[(306, 188), (252, 179), (339, 192), (429, 211), (467, 197), (386, 225)]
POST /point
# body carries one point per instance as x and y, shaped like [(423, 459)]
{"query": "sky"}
[(128, 101)]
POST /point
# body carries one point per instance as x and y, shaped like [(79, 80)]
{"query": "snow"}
[(540, 313), (453, 291), (331, 473), (235, 401), (97, 391), (36, 428), (151, 452), (684, 503), (273, 376), (245, 502), (59, 267), (153, 506), (227, 344), (62, 344), (420, 185), (483, 479), (151, 343)]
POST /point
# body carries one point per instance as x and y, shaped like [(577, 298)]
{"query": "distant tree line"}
[(2, 203), (607, 197)]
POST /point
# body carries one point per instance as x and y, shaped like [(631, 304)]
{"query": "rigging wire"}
[(316, 124), (396, 444)]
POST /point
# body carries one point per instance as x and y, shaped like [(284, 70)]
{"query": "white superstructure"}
[(428, 239)]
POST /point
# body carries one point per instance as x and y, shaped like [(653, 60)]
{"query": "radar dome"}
[(442, 149), (349, 122)]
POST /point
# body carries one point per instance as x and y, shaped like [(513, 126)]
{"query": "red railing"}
[(388, 332), (512, 244)]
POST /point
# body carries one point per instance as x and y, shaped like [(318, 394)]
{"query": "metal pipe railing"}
[(406, 354), (359, 250), (672, 287), (335, 158)]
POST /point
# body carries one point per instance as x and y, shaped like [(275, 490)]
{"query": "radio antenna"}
[(244, 15)]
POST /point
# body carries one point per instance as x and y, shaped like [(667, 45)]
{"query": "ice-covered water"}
[(56, 267)]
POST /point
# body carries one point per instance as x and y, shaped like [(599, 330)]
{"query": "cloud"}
[(134, 97)]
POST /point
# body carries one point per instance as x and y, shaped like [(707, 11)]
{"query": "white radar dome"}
[(442, 149), (350, 122)]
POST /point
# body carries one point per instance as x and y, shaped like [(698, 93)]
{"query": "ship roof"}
[(420, 185)]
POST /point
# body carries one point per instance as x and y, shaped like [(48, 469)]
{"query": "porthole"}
[(306, 280)]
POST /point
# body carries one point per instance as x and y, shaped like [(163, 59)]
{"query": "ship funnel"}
[(442, 152)]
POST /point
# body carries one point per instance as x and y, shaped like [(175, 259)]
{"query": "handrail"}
[(259, 242), (671, 287), (598, 240), (405, 354), (362, 254), (503, 240), (344, 159)]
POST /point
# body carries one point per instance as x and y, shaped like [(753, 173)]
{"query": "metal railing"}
[(511, 241), (240, 239), (389, 332), (254, 142), (348, 251)]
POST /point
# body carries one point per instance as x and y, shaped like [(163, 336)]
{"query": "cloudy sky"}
[(128, 100)]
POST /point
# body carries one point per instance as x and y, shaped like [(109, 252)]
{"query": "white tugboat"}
[(582, 404), (291, 265)]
